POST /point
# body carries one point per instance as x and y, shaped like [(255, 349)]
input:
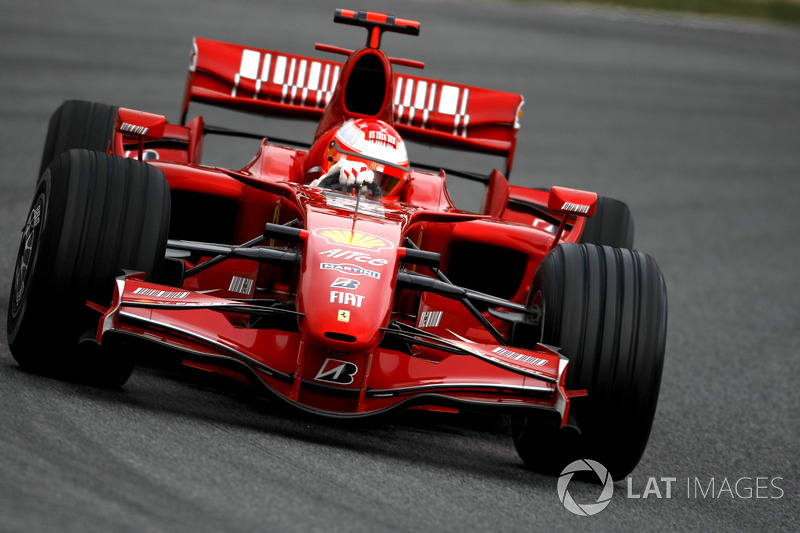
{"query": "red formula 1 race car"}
[(337, 276)]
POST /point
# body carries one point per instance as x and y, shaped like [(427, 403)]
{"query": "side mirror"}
[(140, 124), (572, 201)]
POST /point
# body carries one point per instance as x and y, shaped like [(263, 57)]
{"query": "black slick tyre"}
[(606, 308), (78, 124), (93, 214), (611, 225)]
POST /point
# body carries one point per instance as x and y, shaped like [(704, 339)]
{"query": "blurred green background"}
[(787, 11)]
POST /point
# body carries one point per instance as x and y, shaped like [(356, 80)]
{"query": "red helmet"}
[(376, 144)]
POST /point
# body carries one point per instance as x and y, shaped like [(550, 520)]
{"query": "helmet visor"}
[(389, 176)]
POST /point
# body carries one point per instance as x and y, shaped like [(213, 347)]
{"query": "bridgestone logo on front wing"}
[(336, 371)]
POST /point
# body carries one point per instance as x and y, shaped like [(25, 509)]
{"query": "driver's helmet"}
[(376, 144)]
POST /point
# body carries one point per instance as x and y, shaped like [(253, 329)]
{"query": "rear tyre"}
[(93, 214), (611, 225), (606, 308), (78, 124)]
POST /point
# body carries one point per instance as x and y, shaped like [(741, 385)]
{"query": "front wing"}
[(262, 345)]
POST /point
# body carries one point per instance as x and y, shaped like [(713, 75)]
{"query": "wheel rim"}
[(27, 254)]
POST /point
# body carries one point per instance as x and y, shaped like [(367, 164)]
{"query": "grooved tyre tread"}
[(606, 308), (611, 225), (98, 214), (78, 124)]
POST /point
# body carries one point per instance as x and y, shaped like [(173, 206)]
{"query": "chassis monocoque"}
[(340, 304)]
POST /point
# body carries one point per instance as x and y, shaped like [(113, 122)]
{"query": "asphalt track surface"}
[(695, 122)]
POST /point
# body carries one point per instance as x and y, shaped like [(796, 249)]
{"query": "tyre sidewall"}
[(37, 314)]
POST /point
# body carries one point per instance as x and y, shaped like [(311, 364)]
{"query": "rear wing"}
[(276, 83)]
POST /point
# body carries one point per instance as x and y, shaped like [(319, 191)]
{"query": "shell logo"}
[(353, 238)]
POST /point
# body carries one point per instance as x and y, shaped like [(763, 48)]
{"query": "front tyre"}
[(606, 308), (93, 214)]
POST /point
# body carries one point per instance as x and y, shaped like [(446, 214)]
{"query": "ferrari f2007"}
[(339, 276)]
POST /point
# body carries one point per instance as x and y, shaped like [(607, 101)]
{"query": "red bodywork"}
[(331, 316)]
